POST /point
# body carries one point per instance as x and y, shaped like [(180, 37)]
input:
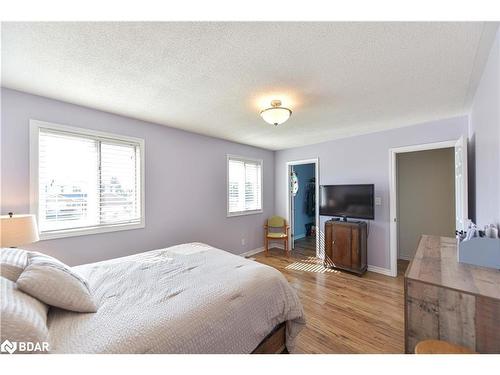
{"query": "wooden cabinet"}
[(450, 301), (345, 245)]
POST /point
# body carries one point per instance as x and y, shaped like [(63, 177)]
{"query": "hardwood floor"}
[(345, 313)]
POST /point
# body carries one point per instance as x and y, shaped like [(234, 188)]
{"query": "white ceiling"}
[(339, 79)]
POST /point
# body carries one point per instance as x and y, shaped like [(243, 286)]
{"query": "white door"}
[(461, 212), (291, 241)]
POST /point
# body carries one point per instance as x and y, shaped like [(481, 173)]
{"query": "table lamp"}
[(16, 230)]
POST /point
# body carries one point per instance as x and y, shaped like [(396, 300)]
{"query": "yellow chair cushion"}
[(276, 222), (276, 235)]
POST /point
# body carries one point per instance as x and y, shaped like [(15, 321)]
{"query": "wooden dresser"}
[(450, 301), (345, 245)]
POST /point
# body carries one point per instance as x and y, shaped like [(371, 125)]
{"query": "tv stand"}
[(346, 245)]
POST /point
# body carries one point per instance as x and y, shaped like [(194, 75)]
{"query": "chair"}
[(276, 229), (440, 347)]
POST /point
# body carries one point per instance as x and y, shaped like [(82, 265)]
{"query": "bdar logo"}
[(9, 347)]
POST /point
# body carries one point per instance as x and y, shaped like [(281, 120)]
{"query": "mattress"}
[(190, 298)]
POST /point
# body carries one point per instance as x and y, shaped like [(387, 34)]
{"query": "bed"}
[(190, 298)]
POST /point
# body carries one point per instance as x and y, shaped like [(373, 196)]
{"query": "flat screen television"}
[(354, 201)]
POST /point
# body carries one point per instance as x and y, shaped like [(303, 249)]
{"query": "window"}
[(85, 182), (244, 186)]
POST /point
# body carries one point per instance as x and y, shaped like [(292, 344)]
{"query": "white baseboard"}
[(383, 271), (299, 236), (252, 252), (405, 257)]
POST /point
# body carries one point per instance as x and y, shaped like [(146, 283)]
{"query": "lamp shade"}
[(276, 115), (18, 230)]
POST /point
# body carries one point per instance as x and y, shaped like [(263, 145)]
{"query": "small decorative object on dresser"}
[(480, 248), (345, 245)]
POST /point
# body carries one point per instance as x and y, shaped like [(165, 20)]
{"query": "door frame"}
[(289, 165), (393, 193)]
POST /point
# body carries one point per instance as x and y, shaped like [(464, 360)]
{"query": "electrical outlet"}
[(378, 201), (243, 242)]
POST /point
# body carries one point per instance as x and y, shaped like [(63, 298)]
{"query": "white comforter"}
[(189, 298)]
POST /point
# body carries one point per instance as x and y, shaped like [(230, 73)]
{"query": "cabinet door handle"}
[(333, 242)]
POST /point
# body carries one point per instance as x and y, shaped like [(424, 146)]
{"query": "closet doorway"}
[(426, 197), (302, 205)]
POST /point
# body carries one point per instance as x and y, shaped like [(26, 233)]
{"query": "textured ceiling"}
[(339, 79)]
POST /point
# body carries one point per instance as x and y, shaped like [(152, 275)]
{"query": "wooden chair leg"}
[(287, 250), (266, 246)]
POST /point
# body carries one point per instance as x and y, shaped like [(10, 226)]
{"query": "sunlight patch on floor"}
[(310, 267)]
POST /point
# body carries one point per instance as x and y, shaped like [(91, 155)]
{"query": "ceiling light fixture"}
[(276, 114)]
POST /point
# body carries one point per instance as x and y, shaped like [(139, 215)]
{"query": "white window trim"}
[(245, 159), (35, 126)]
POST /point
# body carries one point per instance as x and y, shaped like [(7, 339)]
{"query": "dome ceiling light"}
[(276, 114)]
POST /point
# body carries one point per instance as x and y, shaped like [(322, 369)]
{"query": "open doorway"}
[(302, 205), (428, 194)]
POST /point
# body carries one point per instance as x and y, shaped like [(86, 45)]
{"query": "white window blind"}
[(244, 186), (87, 181)]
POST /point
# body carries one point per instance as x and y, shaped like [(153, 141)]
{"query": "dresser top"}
[(435, 262)]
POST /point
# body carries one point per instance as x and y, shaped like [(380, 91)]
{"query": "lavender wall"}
[(365, 159), (185, 182), (484, 131)]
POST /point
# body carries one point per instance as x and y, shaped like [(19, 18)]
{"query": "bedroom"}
[(147, 169)]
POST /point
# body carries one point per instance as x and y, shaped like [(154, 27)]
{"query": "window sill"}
[(87, 231), (243, 213)]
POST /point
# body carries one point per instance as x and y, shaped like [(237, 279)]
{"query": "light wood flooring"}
[(345, 313)]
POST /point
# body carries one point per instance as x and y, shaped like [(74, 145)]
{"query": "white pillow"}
[(56, 284), (12, 262), (23, 317)]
